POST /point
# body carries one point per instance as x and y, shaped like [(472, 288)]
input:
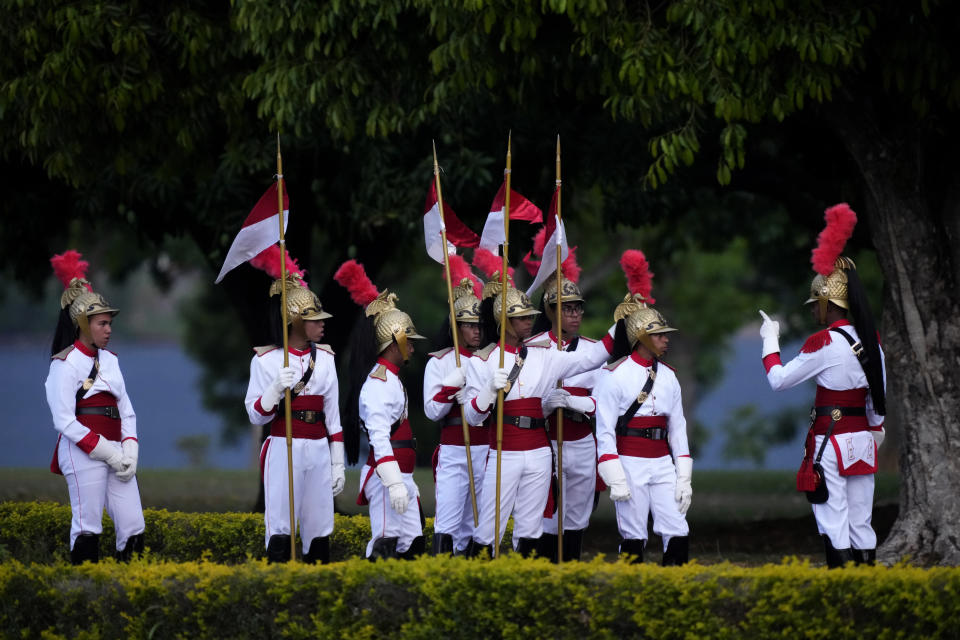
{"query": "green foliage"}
[(750, 433), (450, 597)]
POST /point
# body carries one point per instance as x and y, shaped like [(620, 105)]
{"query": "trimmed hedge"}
[(452, 597), (38, 532)]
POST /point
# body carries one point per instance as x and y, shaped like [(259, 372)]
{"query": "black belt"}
[(110, 412), (404, 444), (525, 422), (575, 416), (650, 433), (310, 416), (844, 411)]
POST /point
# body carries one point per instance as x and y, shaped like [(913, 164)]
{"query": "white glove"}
[(130, 454), (391, 477), (454, 378), (488, 393), (684, 492), (879, 435), (770, 332), (286, 378), (337, 477), (556, 398), (612, 473), (461, 396), (109, 452)]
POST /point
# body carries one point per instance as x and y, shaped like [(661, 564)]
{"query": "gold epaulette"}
[(610, 366), (442, 352), (327, 348), (380, 373), (484, 353), (63, 354), (265, 349)]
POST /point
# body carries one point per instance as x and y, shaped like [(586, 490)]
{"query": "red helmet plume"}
[(68, 265), (488, 264), (639, 277), (268, 261), (459, 269), (539, 241), (841, 220), (352, 277), (570, 268)]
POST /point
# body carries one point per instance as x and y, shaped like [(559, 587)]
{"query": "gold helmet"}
[(641, 321), (830, 283), (302, 304), (390, 323), (518, 306), (492, 286), (84, 303), (466, 305), (569, 290), (831, 287)]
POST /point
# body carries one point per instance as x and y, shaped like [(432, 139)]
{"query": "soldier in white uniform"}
[(579, 407), (382, 345), (442, 382), (317, 444), (642, 434), (97, 446), (847, 362), (529, 375)]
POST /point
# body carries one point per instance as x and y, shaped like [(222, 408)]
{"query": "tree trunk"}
[(911, 224)]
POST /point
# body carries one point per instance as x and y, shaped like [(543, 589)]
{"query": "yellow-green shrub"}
[(452, 597)]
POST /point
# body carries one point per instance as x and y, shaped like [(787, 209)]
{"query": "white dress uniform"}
[(454, 508), (647, 463), (527, 460), (315, 422), (383, 414), (850, 458), (92, 484)]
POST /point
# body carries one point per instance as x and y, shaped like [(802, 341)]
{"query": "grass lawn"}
[(747, 517)]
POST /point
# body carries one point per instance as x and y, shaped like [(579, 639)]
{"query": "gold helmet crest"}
[(568, 289), (302, 304), (390, 323), (641, 321), (466, 306)]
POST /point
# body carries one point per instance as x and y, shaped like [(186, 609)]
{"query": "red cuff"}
[(129, 438), (771, 361), (473, 403), (88, 442), (608, 456), (879, 427), (445, 394), (608, 343), (259, 408), (336, 437), (386, 459)]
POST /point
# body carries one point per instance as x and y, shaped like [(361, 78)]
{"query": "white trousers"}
[(93, 486), (524, 486), (454, 511), (312, 490), (652, 483), (384, 521), (845, 516), (579, 484)]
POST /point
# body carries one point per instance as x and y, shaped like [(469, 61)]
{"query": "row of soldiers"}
[(622, 418)]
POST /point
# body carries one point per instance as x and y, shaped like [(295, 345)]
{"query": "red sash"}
[(571, 430), (406, 458), (643, 447), (107, 427), (846, 398), (452, 431), (514, 437), (299, 428)]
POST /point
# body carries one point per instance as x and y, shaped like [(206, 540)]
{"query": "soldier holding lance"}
[(846, 360), (97, 446), (443, 382), (317, 437), (378, 405), (641, 429)]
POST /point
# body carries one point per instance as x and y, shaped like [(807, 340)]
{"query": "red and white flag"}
[(458, 234), (520, 209), (259, 231), (556, 236)]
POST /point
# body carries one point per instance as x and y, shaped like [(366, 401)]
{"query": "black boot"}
[(572, 544), (548, 546), (864, 556), (383, 548), (527, 546), (633, 547), (134, 546), (86, 547), (278, 549), (475, 549), (442, 543), (319, 551), (677, 552), (418, 547), (836, 557)]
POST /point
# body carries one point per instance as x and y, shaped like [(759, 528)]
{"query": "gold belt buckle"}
[(836, 414), (309, 416)]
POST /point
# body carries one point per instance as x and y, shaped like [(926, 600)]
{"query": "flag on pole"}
[(458, 234), (520, 209), (260, 230), (555, 235)]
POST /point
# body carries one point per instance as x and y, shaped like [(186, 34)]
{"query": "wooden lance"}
[(503, 337)]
